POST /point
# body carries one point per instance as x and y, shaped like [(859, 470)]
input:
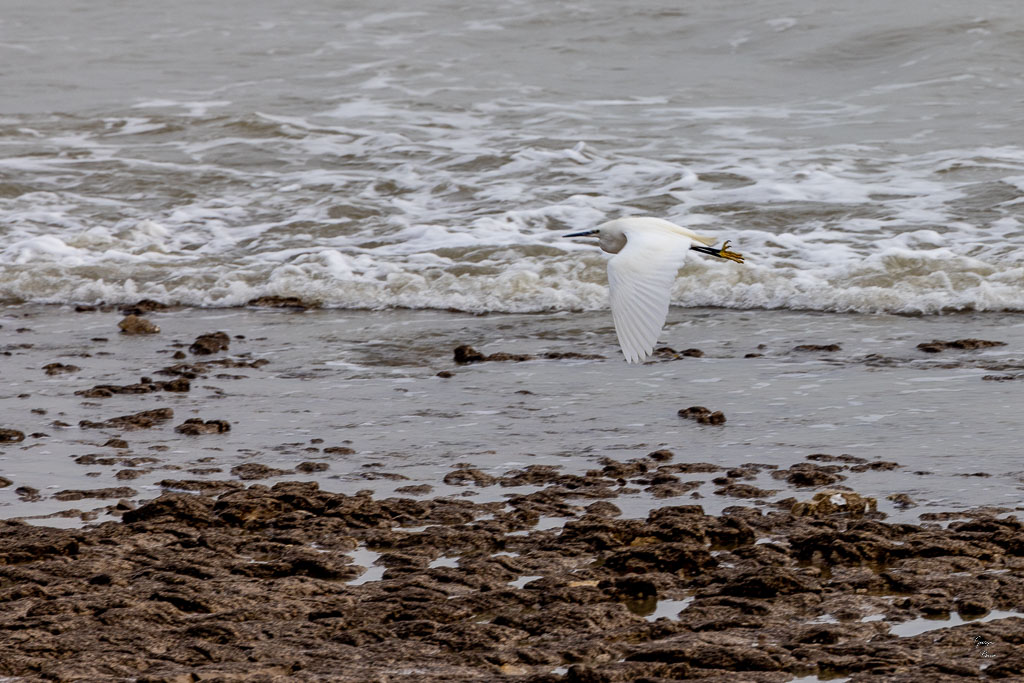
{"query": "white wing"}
[(640, 278)]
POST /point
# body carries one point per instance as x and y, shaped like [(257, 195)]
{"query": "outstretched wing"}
[(640, 278)]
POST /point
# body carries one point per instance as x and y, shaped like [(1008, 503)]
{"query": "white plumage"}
[(648, 252)]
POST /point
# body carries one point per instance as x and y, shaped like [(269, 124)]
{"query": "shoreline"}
[(375, 399), (333, 495), (295, 304)]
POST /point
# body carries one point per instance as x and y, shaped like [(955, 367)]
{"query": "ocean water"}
[(865, 157)]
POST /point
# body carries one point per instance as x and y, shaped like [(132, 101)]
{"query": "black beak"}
[(585, 233)]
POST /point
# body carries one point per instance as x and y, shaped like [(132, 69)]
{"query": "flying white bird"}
[(648, 254)]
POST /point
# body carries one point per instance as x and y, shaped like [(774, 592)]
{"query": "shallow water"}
[(864, 157), (364, 557), (367, 381), (924, 625), (652, 609)]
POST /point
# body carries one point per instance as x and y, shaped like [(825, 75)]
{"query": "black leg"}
[(720, 253)]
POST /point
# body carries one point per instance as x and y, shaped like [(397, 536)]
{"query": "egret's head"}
[(610, 236)]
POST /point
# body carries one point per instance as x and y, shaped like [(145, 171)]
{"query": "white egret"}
[(648, 254)]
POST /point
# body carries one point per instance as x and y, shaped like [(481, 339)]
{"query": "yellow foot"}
[(731, 255)]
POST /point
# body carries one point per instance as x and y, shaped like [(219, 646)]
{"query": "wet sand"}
[(779, 495)]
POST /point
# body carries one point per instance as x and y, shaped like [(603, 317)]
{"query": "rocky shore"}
[(220, 548), (292, 583)]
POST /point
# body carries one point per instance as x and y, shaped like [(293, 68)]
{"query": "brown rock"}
[(672, 489), (570, 355), (506, 357), (707, 655), (467, 354), (117, 492), (829, 503), (603, 508), (207, 486), (808, 474), (60, 368), (133, 324), (671, 354), (144, 420), (92, 459), (146, 386), (902, 500), (28, 494), (877, 466), (254, 470), (661, 455), (177, 385), (623, 470), (144, 306), (531, 474), (207, 344), (11, 436), (825, 457), (703, 415), (937, 346), (744, 491), (415, 489), (175, 508), (281, 302), (818, 347), (193, 370), (195, 426), (691, 467), (661, 557), (769, 582), (467, 475)]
